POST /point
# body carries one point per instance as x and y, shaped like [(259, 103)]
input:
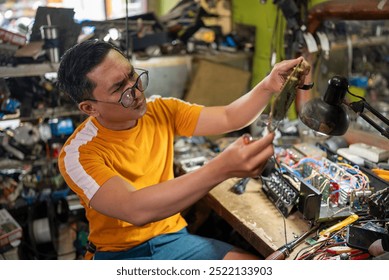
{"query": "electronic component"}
[(309, 202), (330, 178), (288, 156), (310, 150), (192, 153), (189, 165), (379, 204), (282, 190), (327, 189)]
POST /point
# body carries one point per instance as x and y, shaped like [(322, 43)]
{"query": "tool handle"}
[(285, 250), (240, 186), (277, 255), (349, 220)]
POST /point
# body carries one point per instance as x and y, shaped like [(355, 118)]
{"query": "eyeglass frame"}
[(132, 91)]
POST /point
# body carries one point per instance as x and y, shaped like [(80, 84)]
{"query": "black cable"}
[(309, 247), (357, 96), (277, 163), (321, 243)]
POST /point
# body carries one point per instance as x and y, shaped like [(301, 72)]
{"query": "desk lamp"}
[(329, 115)]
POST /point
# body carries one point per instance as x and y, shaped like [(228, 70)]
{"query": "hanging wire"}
[(127, 31), (357, 96)]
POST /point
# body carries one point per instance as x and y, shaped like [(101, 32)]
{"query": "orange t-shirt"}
[(143, 155)]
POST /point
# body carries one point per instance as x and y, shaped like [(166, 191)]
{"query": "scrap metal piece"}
[(285, 98)]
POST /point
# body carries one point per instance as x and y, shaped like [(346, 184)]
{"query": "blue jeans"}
[(180, 245)]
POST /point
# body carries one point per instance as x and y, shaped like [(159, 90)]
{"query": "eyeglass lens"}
[(141, 82)]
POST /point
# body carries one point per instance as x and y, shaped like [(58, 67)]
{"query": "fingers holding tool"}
[(258, 152), (246, 157)]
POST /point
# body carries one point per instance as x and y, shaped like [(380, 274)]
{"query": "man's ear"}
[(88, 108)]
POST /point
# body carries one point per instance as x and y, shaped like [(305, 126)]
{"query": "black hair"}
[(76, 63)]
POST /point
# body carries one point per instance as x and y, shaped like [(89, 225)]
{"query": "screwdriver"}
[(286, 249), (325, 234)]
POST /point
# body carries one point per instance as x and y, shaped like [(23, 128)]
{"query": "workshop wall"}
[(263, 17), (270, 26), (161, 7), (166, 5)]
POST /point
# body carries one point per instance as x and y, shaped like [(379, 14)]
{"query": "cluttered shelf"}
[(28, 70)]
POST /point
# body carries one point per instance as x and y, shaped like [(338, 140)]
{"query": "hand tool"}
[(286, 249)]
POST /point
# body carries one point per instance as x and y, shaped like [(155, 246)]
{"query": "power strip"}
[(371, 153)]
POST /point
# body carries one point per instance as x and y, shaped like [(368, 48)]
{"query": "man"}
[(120, 160)]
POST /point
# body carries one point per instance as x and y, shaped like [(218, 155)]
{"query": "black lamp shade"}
[(328, 115), (325, 118)]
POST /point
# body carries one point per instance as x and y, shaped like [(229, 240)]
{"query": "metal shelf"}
[(28, 70)]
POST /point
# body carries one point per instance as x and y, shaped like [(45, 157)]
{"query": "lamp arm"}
[(376, 113), (359, 107)]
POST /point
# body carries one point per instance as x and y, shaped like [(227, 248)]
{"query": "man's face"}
[(112, 77)]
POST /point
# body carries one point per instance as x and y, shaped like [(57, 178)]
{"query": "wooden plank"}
[(25, 70)]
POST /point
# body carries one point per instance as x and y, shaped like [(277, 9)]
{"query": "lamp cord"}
[(360, 97)]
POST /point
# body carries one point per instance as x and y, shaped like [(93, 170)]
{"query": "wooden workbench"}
[(255, 217)]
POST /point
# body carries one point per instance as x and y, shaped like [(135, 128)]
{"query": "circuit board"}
[(327, 188)]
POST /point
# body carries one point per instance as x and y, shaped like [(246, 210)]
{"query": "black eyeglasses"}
[(140, 81)]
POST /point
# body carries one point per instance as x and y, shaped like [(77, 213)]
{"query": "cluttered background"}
[(190, 49)]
